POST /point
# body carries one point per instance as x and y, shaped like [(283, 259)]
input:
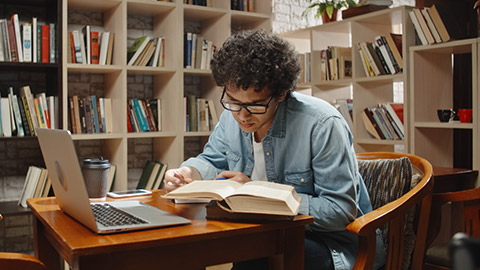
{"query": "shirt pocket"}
[(232, 158), (301, 181)]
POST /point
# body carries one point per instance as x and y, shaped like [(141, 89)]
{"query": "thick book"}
[(371, 125), (253, 197), (431, 25)]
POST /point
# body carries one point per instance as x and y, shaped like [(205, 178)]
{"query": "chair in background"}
[(19, 261), (466, 205), (401, 201)]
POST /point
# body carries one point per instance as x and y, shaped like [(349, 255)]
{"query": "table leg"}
[(44, 251), (293, 251)]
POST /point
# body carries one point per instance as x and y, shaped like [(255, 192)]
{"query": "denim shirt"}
[(310, 147)]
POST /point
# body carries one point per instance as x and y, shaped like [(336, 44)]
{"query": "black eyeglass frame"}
[(225, 103)]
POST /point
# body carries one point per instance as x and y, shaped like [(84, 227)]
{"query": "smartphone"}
[(128, 193)]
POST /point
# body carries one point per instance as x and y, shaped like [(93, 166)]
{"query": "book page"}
[(265, 189), (213, 189)]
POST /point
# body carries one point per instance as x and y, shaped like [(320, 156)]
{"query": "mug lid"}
[(96, 163)]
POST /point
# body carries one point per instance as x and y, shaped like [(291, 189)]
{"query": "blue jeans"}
[(317, 256)]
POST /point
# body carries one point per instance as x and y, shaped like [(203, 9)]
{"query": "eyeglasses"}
[(251, 108)]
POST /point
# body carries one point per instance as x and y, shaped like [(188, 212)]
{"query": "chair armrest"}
[(20, 261), (368, 223)]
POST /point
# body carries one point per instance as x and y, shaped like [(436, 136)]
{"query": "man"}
[(269, 133)]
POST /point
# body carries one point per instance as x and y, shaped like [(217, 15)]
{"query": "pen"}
[(221, 178)]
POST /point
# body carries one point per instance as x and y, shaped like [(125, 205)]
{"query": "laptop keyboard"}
[(109, 216)]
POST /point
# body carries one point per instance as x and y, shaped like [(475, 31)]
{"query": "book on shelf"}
[(86, 32), (368, 58), (45, 34), (205, 3), (383, 123), (253, 197), (418, 28), (104, 43), (6, 118), (152, 175), (438, 22), (15, 112), (136, 49), (89, 114), (27, 42), (394, 42), (37, 184), (52, 42), (197, 51), (371, 125), (423, 25), (431, 25), (398, 109), (18, 36), (94, 47), (200, 114), (111, 176), (380, 63), (243, 5)]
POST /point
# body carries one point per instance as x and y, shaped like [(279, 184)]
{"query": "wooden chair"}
[(19, 261), (393, 215), (466, 205)]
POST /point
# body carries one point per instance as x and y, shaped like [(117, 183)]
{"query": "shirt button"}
[(334, 251), (268, 153), (248, 167), (302, 180)]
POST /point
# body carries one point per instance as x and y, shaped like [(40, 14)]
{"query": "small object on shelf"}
[(444, 115)]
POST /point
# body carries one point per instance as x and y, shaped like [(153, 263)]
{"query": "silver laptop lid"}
[(61, 160)]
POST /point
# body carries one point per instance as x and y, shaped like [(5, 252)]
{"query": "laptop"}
[(71, 193)]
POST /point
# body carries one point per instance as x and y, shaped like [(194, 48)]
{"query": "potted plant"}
[(327, 9)]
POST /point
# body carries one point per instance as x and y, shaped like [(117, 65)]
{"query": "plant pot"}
[(326, 19)]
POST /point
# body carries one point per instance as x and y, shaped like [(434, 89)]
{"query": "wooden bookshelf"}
[(214, 23), (365, 91)]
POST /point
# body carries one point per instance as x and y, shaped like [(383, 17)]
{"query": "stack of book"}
[(383, 56), (146, 51), (37, 184), (197, 51), (152, 175), (90, 115), (243, 5), (86, 46), (204, 3), (22, 114), (384, 122), (429, 25), (144, 115), (335, 63), (200, 114), (27, 42)]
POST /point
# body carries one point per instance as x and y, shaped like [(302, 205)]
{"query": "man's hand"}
[(178, 177), (235, 176)]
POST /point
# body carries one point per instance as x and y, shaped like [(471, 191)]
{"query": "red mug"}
[(465, 115)]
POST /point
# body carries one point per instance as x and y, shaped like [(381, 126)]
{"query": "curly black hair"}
[(256, 58)]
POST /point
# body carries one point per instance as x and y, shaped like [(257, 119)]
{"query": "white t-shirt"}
[(259, 172)]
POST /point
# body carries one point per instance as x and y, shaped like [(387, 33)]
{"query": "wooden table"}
[(194, 246)]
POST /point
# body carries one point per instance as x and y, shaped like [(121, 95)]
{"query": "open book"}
[(253, 197)]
